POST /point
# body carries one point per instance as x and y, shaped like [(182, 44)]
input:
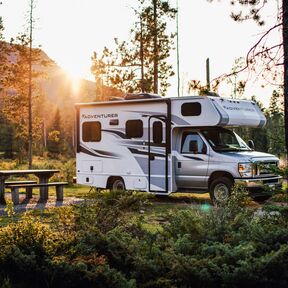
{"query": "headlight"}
[(245, 169)]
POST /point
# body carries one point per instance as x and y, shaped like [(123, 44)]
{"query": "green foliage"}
[(271, 137), (6, 141), (9, 208), (55, 137), (275, 125), (103, 243)]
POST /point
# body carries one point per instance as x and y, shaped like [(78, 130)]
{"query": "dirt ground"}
[(35, 203)]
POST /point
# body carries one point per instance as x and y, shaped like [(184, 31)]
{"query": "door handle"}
[(179, 165)]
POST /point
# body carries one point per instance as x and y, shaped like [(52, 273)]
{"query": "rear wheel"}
[(118, 184), (220, 190)]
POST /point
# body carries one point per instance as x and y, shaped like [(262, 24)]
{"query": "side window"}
[(91, 131), (191, 109), (193, 143), (134, 128), (157, 132)]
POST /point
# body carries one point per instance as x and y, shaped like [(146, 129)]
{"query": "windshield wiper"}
[(230, 149)]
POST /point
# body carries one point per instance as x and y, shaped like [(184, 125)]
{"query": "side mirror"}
[(251, 144), (193, 146)]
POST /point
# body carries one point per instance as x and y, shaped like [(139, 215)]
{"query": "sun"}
[(75, 83)]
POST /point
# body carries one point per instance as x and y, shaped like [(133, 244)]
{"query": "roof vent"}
[(115, 98), (211, 93), (132, 96)]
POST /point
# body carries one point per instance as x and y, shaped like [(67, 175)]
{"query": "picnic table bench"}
[(19, 182), (15, 189), (28, 189)]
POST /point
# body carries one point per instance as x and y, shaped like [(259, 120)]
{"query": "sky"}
[(69, 31)]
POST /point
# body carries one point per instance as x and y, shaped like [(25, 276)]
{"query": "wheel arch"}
[(218, 174), (112, 179)]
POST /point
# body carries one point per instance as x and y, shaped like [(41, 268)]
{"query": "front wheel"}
[(220, 190)]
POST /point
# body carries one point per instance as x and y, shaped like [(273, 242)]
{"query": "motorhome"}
[(164, 145)]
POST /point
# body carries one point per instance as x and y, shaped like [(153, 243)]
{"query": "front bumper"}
[(258, 184)]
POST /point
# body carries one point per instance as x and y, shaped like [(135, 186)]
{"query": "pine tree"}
[(140, 65), (55, 135), (275, 124), (4, 52), (259, 136), (15, 100)]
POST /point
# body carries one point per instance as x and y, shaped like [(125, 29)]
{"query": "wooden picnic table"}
[(43, 175)]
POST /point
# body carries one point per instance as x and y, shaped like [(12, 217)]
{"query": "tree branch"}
[(248, 55)]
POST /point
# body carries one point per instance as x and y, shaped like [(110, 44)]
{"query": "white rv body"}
[(139, 142)]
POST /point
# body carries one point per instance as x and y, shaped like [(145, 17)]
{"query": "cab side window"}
[(192, 143)]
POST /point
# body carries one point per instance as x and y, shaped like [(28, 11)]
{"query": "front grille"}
[(265, 168), (271, 181)]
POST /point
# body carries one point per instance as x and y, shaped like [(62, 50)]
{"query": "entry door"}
[(192, 162), (157, 154)]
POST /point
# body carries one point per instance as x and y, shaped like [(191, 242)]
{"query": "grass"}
[(159, 211), (152, 217), (155, 214)]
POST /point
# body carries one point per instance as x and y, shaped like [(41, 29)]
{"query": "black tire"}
[(220, 190), (118, 184)]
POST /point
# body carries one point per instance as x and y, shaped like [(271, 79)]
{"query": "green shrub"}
[(103, 243)]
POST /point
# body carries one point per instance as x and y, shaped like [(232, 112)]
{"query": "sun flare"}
[(75, 83)]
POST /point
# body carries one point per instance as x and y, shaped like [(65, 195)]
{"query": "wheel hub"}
[(221, 192)]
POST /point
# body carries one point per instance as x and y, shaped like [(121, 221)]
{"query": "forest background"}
[(139, 65)]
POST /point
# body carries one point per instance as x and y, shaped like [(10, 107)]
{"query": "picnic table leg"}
[(44, 178), (28, 192), (43, 190), (15, 195), (2, 190), (59, 193)]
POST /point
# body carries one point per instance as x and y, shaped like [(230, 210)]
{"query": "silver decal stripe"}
[(263, 119), (136, 151), (179, 121), (193, 158), (224, 117), (115, 132), (98, 153)]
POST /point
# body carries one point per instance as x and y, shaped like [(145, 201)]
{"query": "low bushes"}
[(105, 242)]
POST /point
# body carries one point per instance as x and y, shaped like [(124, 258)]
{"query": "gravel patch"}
[(36, 203)]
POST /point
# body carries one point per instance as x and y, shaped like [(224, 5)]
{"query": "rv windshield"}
[(222, 140)]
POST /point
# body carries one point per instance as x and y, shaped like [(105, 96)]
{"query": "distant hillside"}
[(58, 85)]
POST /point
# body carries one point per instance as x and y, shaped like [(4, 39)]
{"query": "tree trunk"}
[(155, 44), (285, 47), (30, 139), (142, 56)]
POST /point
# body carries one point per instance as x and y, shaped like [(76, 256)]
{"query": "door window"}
[(157, 132), (192, 143)]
